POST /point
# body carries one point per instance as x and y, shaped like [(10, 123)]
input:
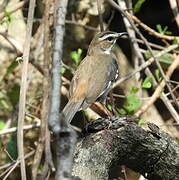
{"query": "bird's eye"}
[(110, 39)]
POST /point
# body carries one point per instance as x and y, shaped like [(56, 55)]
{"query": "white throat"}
[(107, 51)]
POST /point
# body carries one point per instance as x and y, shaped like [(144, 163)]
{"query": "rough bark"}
[(151, 152)]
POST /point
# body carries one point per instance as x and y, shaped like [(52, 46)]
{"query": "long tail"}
[(70, 110)]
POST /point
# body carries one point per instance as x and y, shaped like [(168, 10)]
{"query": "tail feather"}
[(70, 110)]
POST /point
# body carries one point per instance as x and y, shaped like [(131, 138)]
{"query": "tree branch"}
[(150, 152), (160, 87), (145, 64), (23, 89), (147, 71), (152, 31)]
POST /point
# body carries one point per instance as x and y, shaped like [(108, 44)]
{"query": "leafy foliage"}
[(109, 107), (163, 30), (134, 90), (7, 19), (133, 103), (2, 125), (176, 41), (12, 146), (76, 55), (147, 83), (165, 60), (4, 101), (141, 122), (138, 5), (158, 75), (13, 94), (122, 111), (62, 70), (11, 68)]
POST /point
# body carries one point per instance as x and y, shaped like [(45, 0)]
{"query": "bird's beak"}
[(122, 34)]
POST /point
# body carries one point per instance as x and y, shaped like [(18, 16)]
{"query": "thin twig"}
[(100, 15), (81, 25), (129, 16), (14, 43), (12, 164), (146, 64), (152, 31), (23, 89), (46, 86), (151, 44), (147, 71), (124, 97), (10, 171), (174, 89), (7, 170), (169, 106), (158, 90), (110, 19), (174, 7), (14, 129), (14, 9), (136, 54)]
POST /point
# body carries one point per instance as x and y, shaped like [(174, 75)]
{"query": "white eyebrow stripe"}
[(106, 36)]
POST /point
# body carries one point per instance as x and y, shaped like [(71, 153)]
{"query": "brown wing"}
[(92, 78), (104, 72), (78, 84)]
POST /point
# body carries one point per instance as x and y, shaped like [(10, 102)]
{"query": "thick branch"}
[(150, 152)]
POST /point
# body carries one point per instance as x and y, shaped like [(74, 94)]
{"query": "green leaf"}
[(168, 32), (141, 122), (13, 94), (62, 70), (138, 5), (163, 30), (133, 103), (2, 125), (158, 75), (147, 83), (8, 18), (109, 107), (121, 111), (2, 95), (4, 104), (4, 101), (79, 51), (75, 55), (177, 140), (11, 68), (175, 41), (165, 60), (159, 28), (134, 90), (12, 147)]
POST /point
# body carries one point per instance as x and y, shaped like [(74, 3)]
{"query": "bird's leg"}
[(103, 108), (111, 100), (75, 128)]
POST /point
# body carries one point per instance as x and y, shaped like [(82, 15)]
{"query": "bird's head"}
[(104, 41)]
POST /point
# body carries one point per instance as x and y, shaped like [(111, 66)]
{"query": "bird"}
[(95, 74)]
